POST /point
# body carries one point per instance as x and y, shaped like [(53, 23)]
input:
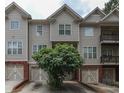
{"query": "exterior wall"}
[(93, 18), (35, 39), (64, 18), (90, 41), (21, 35), (112, 18)]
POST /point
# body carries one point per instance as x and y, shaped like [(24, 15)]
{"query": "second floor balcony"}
[(110, 38), (109, 59)]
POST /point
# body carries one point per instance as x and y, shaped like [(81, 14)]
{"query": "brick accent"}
[(25, 66)]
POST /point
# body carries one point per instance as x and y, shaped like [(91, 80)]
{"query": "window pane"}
[(94, 49), (14, 24), (94, 55), (44, 46), (88, 31), (67, 27), (14, 44), (61, 27), (14, 51), (9, 44), (34, 48), (90, 50), (40, 47), (67, 32), (90, 55), (39, 27), (19, 44), (85, 52), (9, 51), (20, 51)]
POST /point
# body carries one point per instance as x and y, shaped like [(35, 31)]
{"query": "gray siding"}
[(64, 18), (19, 35)]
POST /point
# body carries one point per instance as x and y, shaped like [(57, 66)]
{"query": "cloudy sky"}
[(40, 9)]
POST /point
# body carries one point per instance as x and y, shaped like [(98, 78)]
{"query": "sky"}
[(41, 9)]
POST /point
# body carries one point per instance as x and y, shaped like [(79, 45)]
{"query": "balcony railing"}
[(109, 37), (109, 59)]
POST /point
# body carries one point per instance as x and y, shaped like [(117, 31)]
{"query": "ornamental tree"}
[(58, 61)]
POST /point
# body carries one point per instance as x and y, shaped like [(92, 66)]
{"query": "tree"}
[(57, 62), (109, 6)]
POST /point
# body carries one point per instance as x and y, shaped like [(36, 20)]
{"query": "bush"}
[(58, 61)]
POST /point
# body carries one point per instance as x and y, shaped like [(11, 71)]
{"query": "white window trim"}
[(88, 52), (41, 29), (13, 47), (64, 29), (85, 32), (37, 47), (18, 25)]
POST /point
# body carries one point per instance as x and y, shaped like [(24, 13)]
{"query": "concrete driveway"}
[(9, 85), (68, 87)]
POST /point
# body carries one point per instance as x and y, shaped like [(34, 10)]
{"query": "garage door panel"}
[(14, 72), (38, 74), (90, 75)]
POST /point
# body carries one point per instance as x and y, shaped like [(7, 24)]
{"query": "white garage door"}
[(38, 74), (90, 75), (14, 72)]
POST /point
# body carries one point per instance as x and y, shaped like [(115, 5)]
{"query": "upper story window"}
[(88, 31), (14, 47), (39, 29), (38, 47), (64, 29), (14, 25), (89, 52)]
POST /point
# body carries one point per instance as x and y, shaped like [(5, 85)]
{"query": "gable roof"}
[(14, 5), (115, 10), (96, 9), (65, 7)]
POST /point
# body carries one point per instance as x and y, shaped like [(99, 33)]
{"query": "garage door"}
[(14, 72), (38, 74), (90, 75)]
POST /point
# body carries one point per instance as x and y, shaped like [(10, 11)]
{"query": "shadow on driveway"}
[(68, 87)]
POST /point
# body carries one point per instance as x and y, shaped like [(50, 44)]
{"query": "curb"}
[(94, 88), (19, 86)]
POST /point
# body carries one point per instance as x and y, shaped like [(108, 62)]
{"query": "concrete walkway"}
[(68, 87), (9, 85), (102, 88)]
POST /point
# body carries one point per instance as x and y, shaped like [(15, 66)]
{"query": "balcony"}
[(109, 38), (109, 59)]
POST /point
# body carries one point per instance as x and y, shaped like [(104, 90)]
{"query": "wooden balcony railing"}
[(109, 37), (109, 59)]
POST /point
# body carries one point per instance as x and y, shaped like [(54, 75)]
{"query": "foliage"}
[(109, 6), (58, 61)]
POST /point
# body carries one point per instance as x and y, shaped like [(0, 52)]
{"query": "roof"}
[(65, 7), (116, 9), (96, 9), (14, 5)]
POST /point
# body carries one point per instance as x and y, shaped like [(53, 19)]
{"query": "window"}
[(88, 31), (89, 52), (64, 29), (14, 25), (14, 47), (61, 29), (38, 47), (39, 29), (67, 29)]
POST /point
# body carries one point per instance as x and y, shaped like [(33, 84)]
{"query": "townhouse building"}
[(95, 36)]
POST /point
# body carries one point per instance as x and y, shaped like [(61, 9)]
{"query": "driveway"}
[(9, 85), (68, 87)]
